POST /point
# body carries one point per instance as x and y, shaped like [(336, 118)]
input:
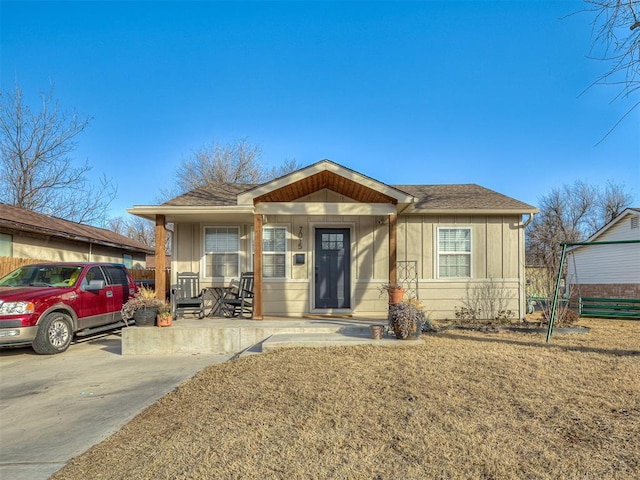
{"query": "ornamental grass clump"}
[(406, 318), (144, 298)]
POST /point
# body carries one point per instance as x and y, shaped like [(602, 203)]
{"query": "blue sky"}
[(405, 92)]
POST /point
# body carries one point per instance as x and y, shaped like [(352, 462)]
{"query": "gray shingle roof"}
[(212, 194), (467, 196), (22, 219)]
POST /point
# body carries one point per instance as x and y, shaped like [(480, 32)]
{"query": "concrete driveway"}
[(53, 408)]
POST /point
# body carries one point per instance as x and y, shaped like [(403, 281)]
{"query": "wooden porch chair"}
[(240, 303), (187, 296)]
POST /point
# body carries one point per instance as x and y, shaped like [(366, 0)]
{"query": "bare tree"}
[(116, 225), (35, 166), (571, 214), (285, 167), (613, 200), (235, 162), (138, 229), (616, 29), (568, 214), (135, 228)]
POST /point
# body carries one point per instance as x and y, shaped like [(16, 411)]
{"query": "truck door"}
[(121, 288), (96, 304)]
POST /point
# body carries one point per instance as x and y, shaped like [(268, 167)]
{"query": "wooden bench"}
[(610, 307)]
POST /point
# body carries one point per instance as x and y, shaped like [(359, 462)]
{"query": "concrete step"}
[(233, 336), (361, 337)]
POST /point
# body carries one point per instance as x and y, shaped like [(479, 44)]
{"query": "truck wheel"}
[(54, 334)]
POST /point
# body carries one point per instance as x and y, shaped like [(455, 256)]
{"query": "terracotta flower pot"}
[(165, 321), (376, 331), (395, 295)]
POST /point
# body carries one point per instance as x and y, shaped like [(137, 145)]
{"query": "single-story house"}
[(607, 270), (32, 235), (324, 239)]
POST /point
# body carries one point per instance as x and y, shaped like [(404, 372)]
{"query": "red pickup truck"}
[(46, 305)]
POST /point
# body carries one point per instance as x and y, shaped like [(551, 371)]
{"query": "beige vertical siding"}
[(480, 246), (366, 248), (494, 250), (512, 247), (496, 255), (187, 252), (428, 258)]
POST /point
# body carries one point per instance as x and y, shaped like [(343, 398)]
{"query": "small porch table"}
[(213, 300)]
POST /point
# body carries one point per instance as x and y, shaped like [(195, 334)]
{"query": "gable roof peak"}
[(323, 174)]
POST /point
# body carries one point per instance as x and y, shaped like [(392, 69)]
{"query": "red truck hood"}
[(26, 294)]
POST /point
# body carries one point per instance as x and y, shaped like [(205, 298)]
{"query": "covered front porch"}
[(328, 236)]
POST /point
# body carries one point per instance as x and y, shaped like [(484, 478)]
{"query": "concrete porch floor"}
[(218, 335)]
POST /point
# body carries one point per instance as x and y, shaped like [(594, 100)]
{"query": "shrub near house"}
[(45, 305)]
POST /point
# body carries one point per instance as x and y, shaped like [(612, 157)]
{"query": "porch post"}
[(161, 241), (257, 267), (393, 248)]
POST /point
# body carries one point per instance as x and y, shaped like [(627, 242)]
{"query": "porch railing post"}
[(393, 248), (161, 241), (257, 267)]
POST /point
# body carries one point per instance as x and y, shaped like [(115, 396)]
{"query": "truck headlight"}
[(16, 308)]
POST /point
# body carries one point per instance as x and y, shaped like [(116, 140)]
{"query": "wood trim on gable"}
[(321, 180)]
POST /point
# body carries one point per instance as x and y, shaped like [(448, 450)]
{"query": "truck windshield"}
[(43, 275)]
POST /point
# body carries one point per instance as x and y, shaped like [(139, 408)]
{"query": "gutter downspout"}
[(529, 220), (523, 271)]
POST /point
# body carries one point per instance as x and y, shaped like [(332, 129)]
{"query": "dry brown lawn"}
[(464, 405)]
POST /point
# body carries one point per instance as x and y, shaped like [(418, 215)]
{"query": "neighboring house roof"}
[(18, 218), (623, 214), (632, 211)]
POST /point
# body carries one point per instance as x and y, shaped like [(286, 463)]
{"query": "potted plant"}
[(406, 319), (142, 307), (165, 317), (395, 292)]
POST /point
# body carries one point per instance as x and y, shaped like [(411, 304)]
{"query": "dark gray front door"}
[(332, 268)]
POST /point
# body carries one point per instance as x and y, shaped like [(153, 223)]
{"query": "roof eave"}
[(472, 211), (78, 238), (151, 211)]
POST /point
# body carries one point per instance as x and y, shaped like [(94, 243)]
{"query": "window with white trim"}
[(274, 252), (222, 252), (454, 252), (6, 245), (127, 260)]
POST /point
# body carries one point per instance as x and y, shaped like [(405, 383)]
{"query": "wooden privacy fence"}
[(147, 278), (8, 264)]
